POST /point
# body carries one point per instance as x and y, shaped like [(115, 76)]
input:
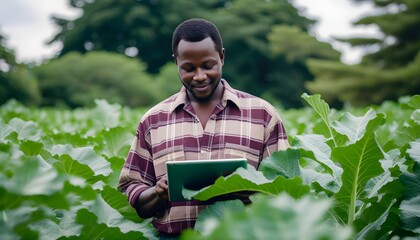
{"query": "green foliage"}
[(167, 81), (385, 74), (344, 161), (249, 34), (58, 171), (301, 48), (16, 81), (349, 174), (249, 180), (281, 217), (77, 80), (250, 64)]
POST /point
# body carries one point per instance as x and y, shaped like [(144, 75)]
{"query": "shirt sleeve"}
[(138, 173), (276, 139)]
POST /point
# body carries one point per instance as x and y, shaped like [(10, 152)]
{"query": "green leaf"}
[(360, 162), (68, 165), (25, 130), (84, 155), (115, 142), (411, 182), (111, 223), (94, 229), (414, 102), (280, 217), (106, 115), (370, 230), (11, 218), (119, 202), (414, 151), (284, 163), (325, 180), (116, 166), (322, 109), (210, 217), (415, 116), (249, 180), (407, 134), (31, 179), (355, 127), (321, 153), (31, 148), (393, 166), (410, 214), (65, 227), (5, 130)]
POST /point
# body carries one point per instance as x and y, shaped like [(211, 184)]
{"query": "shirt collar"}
[(229, 94)]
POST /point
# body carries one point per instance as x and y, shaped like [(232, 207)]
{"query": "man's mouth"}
[(201, 87)]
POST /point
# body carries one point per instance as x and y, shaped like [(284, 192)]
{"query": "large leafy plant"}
[(375, 191), (349, 174)]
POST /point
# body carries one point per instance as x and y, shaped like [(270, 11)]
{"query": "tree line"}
[(121, 51)]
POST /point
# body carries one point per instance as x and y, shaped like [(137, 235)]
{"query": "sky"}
[(27, 25)]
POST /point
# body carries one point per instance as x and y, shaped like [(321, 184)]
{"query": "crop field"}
[(350, 174)]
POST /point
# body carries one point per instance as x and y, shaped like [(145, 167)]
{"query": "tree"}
[(137, 28), (386, 74), (144, 29), (16, 80), (77, 80), (251, 65)]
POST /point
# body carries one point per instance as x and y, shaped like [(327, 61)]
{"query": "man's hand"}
[(153, 200), (161, 188)]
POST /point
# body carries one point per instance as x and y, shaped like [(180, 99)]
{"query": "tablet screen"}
[(197, 174)]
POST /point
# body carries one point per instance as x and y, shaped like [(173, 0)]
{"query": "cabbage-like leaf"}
[(65, 227), (415, 116), (360, 162), (410, 214), (414, 102), (322, 109), (249, 180), (26, 130), (30, 179), (31, 148), (69, 166), (280, 217), (106, 115), (321, 153), (284, 163), (414, 151), (212, 216), (84, 155), (119, 202), (107, 223), (114, 142), (371, 229), (354, 127)]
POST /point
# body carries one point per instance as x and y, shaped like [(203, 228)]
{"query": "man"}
[(207, 119)]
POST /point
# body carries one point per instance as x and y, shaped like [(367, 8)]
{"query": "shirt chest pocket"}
[(252, 154), (174, 153)]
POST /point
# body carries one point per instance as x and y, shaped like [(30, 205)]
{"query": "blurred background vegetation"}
[(121, 51)]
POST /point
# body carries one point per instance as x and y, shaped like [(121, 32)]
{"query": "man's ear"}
[(174, 58), (222, 55)]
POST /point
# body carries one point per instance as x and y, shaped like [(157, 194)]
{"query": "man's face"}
[(200, 68)]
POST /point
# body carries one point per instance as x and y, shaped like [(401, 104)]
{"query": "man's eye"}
[(188, 69), (208, 66)]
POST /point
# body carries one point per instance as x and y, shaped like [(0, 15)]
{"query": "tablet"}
[(197, 174)]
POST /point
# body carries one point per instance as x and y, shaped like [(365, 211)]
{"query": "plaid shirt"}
[(241, 126)]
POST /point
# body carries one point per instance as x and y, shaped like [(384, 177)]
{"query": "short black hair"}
[(195, 30)]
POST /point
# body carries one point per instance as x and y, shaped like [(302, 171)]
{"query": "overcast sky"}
[(27, 25)]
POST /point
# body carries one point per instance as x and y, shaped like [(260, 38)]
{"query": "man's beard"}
[(203, 99)]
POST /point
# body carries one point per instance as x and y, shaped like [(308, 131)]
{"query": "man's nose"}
[(200, 75)]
